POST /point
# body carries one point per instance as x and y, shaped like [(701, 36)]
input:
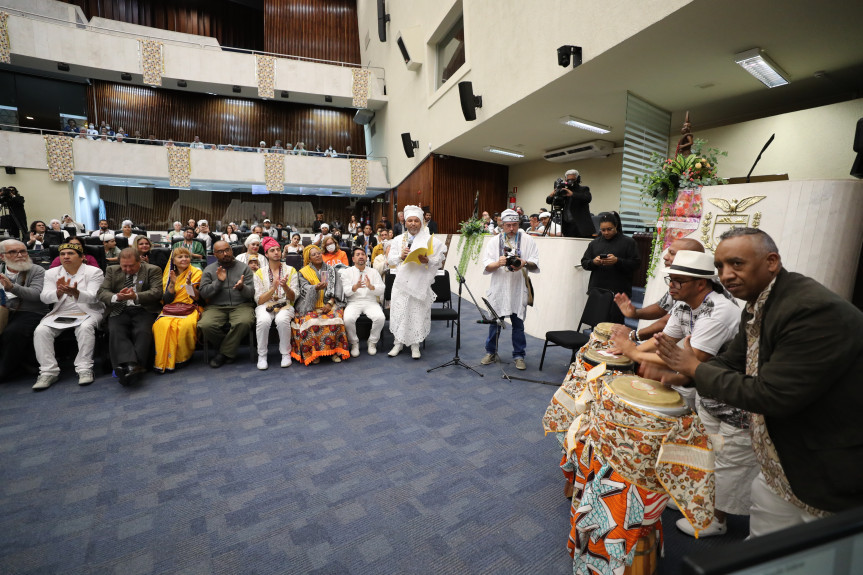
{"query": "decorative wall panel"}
[(313, 29)]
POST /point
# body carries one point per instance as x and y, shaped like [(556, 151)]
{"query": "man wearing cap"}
[(276, 288), (322, 235), (204, 234), (412, 296), (708, 320), (132, 294), (795, 364), (545, 222), (269, 229), (197, 249), (362, 287), (72, 288), (112, 252), (508, 292)]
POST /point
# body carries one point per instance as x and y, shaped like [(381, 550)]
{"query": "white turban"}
[(509, 216), (252, 238), (414, 211)]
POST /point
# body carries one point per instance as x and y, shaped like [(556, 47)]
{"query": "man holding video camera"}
[(572, 200), (15, 219)]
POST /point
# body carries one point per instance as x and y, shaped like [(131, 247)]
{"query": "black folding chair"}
[(443, 296), (596, 310), (294, 260)]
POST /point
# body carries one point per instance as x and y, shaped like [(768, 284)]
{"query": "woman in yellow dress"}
[(318, 329), (174, 333)]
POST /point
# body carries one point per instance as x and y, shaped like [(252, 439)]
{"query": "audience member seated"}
[(72, 289), (353, 226), (362, 287), (197, 249), (112, 252), (103, 229), (262, 147), (131, 293), (276, 287), (228, 288), (278, 148), (324, 233), (120, 139), (177, 232), (37, 235), (333, 254), (126, 232), (205, 236), (319, 327), (289, 148), (175, 331), (21, 285), (55, 226), (545, 220), (92, 131), (83, 134), (88, 259), (300, 149), (258, 230), (230, 234), (169, 143), (269, 229), (71, 127), (68, 222), (348, 153), (193, 223), (330, 152), (137, 138), (366, 240), (143, 245), (197, 144), (252, 253), (295, 247)]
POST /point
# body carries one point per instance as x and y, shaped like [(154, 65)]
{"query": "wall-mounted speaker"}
[(567, 54), (383, 18), (10, 170), (409, 145), (469, 102), (857, 167), (364, 116)]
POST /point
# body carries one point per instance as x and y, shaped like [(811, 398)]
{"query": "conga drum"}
[(649, 395), (593, 357), (602, 332)]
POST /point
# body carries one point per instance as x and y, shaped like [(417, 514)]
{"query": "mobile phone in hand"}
[(604, 256)]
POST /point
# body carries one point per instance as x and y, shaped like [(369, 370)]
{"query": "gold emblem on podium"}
[(731, 217)]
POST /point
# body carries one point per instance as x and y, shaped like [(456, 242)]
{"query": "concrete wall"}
[(44, 199)]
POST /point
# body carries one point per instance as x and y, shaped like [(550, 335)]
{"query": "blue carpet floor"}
[(368, 466)]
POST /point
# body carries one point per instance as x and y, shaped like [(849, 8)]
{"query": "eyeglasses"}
[(224, 251), (677, 284), (15, 252)]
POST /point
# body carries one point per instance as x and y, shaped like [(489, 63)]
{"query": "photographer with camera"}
[(572, 201), (14, 220), (508, 258)]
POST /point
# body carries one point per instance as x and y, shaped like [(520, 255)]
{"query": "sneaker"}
[(45, 381), (85, 377), (519, 363), (415, 351), (286, 360), (489, 358), (715, 528), (337, 358), (355, 350), (262, 362), (396, 349), (372, 349)]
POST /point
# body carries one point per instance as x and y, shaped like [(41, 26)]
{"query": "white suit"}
[(363, 301)]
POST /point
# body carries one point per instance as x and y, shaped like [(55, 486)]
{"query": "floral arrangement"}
[(470, 242), (667, 176)]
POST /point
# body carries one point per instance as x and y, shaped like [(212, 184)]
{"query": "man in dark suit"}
[(575, 200), (795, 364), (131, 292)]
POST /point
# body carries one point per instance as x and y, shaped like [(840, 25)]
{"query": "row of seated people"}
[(105, 134), (147, 310)]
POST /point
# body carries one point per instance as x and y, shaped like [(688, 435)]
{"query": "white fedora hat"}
[(693, 264)]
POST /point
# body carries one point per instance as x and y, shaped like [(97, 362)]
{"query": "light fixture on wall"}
[(567, 54), (585, 125), (503, 151), (762, 67)]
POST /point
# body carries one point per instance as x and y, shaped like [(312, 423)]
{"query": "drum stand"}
[(501, 325), (456, 360)]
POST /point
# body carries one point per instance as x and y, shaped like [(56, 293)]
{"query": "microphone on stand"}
[(770, 141)]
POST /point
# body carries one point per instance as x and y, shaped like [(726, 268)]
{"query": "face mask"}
[(331, 248)]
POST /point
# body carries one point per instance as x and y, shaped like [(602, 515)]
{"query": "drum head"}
[(602, 331), (597, 356), (646, 392)]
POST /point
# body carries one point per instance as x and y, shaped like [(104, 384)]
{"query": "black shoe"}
[(218, 361), (133, 373), (230, 359), (122, 373)]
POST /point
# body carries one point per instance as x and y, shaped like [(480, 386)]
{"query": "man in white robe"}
[(410, 306), (508, 292)]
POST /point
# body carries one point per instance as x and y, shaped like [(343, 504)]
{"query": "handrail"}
[(201, 45)]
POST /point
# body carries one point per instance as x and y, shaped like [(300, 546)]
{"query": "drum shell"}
[(646, 554), (591, 360)]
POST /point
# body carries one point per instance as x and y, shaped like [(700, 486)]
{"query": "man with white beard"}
[(20, 283), (362, 287), (410, 306)]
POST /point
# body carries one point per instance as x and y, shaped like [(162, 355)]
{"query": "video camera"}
[(513, 262)]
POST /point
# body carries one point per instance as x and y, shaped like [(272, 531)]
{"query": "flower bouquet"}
[(469, 242)]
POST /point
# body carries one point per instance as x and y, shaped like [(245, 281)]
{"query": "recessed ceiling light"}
[(503, 152), (763, 68), (29, 117), (585, 125)]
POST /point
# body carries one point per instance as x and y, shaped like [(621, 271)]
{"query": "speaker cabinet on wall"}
[(857, 167), (469, 102), (383, 18), (409, 145), (10, 170), (410, 43), (364, 116)]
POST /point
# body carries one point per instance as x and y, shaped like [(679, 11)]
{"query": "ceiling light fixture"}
[(585, 125), (503, 152), (762, 67)]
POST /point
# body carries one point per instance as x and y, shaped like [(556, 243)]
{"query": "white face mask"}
[(331, 248)]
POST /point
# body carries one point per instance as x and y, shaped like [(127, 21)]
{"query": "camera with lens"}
[(276, 306), (513, 262)]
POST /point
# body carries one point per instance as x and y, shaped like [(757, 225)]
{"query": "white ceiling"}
[(685, 62)]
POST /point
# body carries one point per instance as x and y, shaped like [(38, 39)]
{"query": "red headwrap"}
[(268, 242)]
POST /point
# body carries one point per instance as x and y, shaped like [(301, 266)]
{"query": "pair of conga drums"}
[(598, 353)]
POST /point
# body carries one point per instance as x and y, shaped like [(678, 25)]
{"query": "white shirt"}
[(208, 241), (553, 229), (711, 324), (351, 276), (98, 233), (507, 292)]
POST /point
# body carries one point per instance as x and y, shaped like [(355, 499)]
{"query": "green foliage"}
[(667, 175), (471, 238)]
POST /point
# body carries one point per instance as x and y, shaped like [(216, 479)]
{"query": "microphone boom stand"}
[(501, 325), (456, 360)]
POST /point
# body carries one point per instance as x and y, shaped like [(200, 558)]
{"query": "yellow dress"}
[(174, 336)]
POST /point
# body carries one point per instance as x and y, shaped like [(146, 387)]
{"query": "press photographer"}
[(13, 217), (572, 201)]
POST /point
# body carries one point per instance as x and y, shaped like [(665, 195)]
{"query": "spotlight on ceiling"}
[(567, 53), (126, 76), (763, 68)]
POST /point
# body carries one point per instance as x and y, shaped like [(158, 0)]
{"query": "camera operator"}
[(573, 201), (15, 220), (508, 258)]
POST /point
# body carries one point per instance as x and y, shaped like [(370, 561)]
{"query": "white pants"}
[(264, 319), (736, 465), (770, 512), (372, 310), (43, 343)]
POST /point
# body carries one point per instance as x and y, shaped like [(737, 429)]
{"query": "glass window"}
[(450, 53)]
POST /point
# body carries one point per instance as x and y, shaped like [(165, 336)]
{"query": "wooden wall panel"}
[(233, 24), (324, 30), (181, 116), (416, 188)]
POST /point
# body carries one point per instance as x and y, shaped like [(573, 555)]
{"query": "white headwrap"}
[(509, 216), (414, 211), (252, 238)]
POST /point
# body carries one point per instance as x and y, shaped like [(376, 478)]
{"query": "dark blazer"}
[(808, 388), (149, 286), (27, 287), (576, 214)]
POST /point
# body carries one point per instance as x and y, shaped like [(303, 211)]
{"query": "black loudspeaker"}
[(383, 18), (567, 54), (469, 102), (410, 145), (10, 170), (858, 137)]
